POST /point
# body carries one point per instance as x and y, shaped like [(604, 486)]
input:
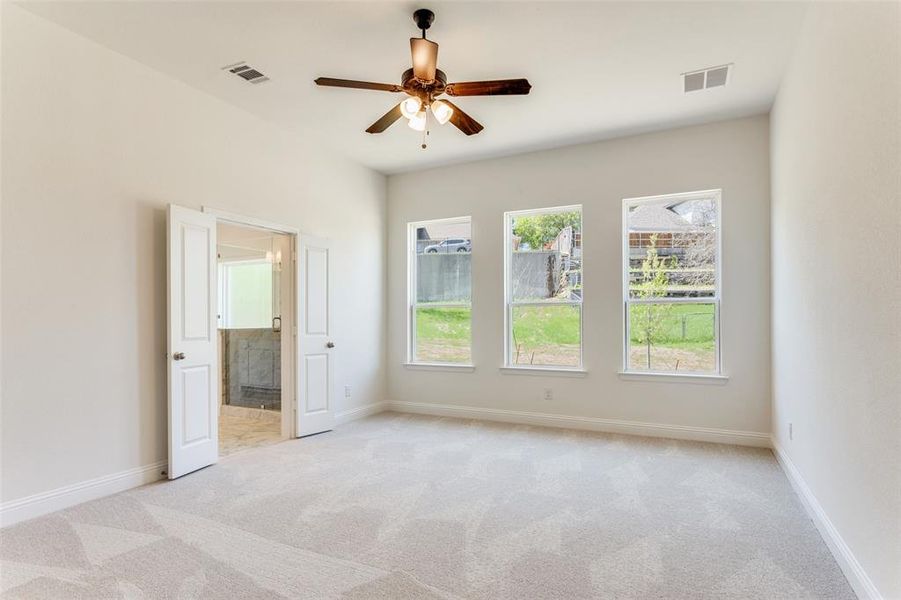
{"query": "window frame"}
[(412, 301), (508, 364), (716, 300)]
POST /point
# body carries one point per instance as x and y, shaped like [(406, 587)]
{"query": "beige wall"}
[(94, 147), (732, 155), (836, 163)]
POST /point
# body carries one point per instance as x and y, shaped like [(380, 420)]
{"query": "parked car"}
[(449, 245)]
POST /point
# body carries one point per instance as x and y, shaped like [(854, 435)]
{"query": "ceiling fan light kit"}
[(424, 83), (418, 121), (442, 111), (410, 107)]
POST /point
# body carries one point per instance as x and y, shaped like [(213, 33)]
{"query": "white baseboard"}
[(352, 414), (861, 583), (16, 511), (681, 432)]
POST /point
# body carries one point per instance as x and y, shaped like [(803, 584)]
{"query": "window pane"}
[(443, 335), (249, 300), (672, 337), (548, 335), (441, 256), (443, 262), (672, 249), (546, 259)]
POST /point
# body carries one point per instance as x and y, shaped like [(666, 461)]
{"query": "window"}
[(245, 294), (543, 292), (440, 291), (671, 283)]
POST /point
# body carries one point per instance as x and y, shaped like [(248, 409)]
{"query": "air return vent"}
[(706, 78), (246, 72)]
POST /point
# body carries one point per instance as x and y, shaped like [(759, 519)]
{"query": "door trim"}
[(239, 219)]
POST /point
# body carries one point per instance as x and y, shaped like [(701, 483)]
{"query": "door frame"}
[(289, 376)]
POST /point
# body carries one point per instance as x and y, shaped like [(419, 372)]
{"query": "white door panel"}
[(316, 367), (317, 396), (192, 347), (195, 258), (195, 384), (316, 263)]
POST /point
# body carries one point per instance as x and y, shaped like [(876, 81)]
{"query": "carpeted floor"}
[(400, 506)]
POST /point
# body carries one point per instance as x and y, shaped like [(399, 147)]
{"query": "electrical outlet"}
[(548, 394), (347, 391), (791, 433)]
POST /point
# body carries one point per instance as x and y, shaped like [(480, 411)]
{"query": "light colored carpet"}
[(400, 506)]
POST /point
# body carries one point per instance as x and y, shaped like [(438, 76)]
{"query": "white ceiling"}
[(598, 70)]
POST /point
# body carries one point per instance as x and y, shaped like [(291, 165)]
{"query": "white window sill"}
[(544, 371), (440, 367), (681, 377)]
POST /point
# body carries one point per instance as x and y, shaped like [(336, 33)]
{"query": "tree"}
[(539, 230), (698, 262), (650, 318)]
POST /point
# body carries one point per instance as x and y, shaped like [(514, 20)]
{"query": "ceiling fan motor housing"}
[(425, 91)]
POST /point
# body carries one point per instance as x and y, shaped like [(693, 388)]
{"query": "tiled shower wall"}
[(252, 371)]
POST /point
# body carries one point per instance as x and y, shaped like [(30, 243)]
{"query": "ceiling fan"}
[(424, 83)]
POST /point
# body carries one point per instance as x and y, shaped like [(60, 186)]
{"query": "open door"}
[(193, 363), (316, 367)]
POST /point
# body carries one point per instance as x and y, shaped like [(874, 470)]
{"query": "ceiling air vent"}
[(706, 78), (246, 72)]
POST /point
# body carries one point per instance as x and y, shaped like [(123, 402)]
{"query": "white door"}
[(316, 367), (193, 363)]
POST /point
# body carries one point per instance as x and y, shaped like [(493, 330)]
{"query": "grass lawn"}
[(549, 335), (697, 319), (443, 324), (684, 341), (443, 335)]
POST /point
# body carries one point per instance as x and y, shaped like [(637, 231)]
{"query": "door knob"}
[(179, 356), (330, 345)]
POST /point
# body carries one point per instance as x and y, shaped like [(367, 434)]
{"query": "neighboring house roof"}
[(441, 231), (654, 217)]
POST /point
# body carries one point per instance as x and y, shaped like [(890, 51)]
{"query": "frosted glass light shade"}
[(417, 122), (442, 111), (410, 107)]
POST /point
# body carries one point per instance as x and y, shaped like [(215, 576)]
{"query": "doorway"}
[(293, 371), (255, 303)]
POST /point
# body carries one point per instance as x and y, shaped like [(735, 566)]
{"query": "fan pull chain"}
[(425, 132)]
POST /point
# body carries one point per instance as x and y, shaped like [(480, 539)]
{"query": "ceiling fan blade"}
[(497, 87), (462, 121), (425, 58), (386, 121), (358, 85)]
